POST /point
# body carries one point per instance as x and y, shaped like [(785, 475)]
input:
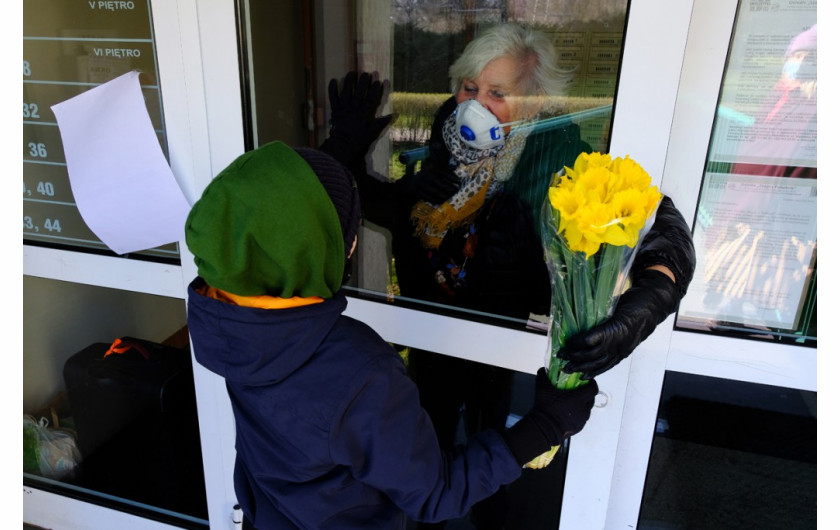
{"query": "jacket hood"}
[(255, 346)]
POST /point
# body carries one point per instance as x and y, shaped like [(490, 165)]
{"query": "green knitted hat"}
[(266, 225)]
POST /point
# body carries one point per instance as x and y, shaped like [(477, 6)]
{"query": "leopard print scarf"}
[(481, 172)]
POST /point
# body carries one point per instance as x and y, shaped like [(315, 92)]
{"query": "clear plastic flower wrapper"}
[(592, 219)]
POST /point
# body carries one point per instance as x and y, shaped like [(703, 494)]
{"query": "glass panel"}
[(412, 45), (118, 430), (756, 224), (728, 454), (487, 267), (68, 48)]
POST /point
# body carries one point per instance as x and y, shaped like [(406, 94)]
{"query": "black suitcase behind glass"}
[(136, 422)]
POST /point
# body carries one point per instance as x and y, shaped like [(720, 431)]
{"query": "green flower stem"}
[(571, 297), (581, 298), (609, 267), (565, 381), (581, 288), (581, 294)]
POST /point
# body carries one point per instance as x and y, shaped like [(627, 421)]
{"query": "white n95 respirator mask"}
[(477, 126)]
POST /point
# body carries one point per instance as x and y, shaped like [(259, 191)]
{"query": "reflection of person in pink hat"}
[(800, 69), (786, 125), (802, 51)]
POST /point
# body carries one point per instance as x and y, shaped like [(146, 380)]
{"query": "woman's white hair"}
[(532, 50)]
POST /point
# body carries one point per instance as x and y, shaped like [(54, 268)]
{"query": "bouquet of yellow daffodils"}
[(592, 218)]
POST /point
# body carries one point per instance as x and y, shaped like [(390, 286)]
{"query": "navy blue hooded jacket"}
[(329, 428)]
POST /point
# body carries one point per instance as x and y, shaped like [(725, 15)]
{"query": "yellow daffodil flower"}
[(602, 200)]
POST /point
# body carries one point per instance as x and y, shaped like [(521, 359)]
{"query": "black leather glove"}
[(353, 122), (650, 299), (556, 415), (668, 243)]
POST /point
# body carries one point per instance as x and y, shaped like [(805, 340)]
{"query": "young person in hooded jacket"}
[(329, 428), (465, 228)]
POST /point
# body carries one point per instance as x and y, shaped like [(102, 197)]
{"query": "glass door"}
[(739, 370)]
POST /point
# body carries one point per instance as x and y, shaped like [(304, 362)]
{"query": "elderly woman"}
[(465, 229), (501, 79), (462, 235)]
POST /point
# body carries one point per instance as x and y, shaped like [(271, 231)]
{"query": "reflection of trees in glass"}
[(422, 58), (452, 15), (430, 34)]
